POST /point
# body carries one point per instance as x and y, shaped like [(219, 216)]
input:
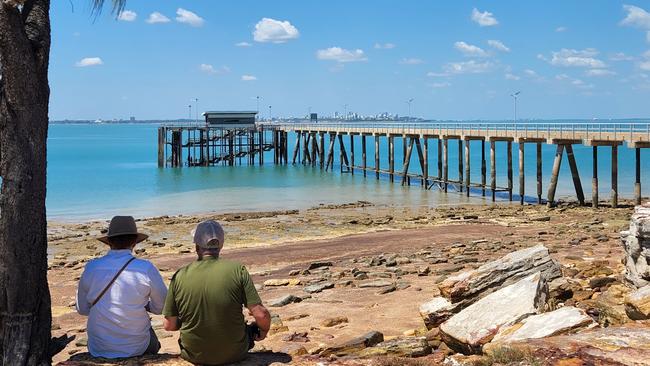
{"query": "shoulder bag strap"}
[(112, 281)]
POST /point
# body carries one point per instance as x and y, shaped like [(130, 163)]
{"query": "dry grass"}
[(510, 356), (399, 361)]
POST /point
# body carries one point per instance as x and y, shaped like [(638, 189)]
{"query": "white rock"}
[(560, 321), (477, 324)]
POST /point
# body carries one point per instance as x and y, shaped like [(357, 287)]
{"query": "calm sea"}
[(96, 171)]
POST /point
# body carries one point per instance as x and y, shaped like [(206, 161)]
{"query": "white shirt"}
[(118, 325)]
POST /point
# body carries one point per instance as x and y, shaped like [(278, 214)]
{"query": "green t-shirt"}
[(207, 295)]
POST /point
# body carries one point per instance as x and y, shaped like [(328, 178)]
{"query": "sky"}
[(459, 60)]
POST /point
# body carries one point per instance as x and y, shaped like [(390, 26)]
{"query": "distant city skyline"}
[(454, 60)]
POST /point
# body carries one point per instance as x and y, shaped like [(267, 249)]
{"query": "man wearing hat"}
[(205, 302), (116, 291)]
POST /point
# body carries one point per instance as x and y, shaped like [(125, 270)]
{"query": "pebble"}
[(330, 322)]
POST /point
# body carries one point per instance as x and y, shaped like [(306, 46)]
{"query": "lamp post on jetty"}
[(515, 95), (258, 107), (196, 107), (189, 118), (270, 115), (408, 118)]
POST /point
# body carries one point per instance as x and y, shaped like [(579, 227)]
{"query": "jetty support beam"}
[(377, 156)]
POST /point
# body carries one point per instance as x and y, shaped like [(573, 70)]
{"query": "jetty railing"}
[(630, 132)]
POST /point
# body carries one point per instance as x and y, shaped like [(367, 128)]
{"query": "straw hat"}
[(122, 225)]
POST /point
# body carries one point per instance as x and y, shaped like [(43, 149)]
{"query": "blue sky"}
[(457, 59)]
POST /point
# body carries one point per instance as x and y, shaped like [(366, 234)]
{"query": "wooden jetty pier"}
[(564, 136), (315, 144)]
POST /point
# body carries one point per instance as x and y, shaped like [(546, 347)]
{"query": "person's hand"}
[(261, 335)]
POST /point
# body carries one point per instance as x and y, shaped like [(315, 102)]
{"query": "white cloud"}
[(636, 17), (645, 65), (484, 19), (243, 44), (561, 29), (156, 17), (384, 46), (620, 56), (470, 50), (599, 72), (440, 85), (498, 45), (341, 55), (274, 31), (510, 76), (209, 69), (468, 67), (248, 78), (530, 72), (89, 61), (127, 16), (432, 74), (188, 17), (575, 58), (574, 82), (411, 61)]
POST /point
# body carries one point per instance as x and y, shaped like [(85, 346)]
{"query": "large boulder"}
[(560, 321), (467, 287), (637, 304), (477, 324), (636, 242)]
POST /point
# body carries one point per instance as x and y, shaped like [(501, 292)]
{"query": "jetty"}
[(316, 144)]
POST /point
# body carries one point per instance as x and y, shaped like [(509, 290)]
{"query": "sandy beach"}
[(289, 250)]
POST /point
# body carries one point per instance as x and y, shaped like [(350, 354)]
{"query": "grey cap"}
[(209, 235)]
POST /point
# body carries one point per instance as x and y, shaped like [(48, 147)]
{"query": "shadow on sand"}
[(254, 359)]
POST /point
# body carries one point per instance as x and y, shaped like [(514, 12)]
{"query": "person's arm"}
[(82, 304), (262, 319), (171, 323), (158, 291), (170, 311), (253, 302)]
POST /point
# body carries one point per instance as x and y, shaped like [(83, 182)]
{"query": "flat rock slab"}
[(600, 346), (284, 300), (468, 287), (354, 345), (476, 325), (375, 283), (282, 282), (437, 311), (400, 347), (319, 287), (560, 321)]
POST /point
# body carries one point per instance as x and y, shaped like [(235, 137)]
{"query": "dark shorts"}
[(154, 344)]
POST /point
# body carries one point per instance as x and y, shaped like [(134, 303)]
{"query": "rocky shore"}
[(359, 284)]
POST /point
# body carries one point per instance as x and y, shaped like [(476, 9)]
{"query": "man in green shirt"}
[(205, 301)]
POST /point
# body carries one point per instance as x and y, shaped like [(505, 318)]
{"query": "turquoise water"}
[(96, 171)]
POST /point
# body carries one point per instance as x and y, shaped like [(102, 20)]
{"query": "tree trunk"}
[(25, 315)]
